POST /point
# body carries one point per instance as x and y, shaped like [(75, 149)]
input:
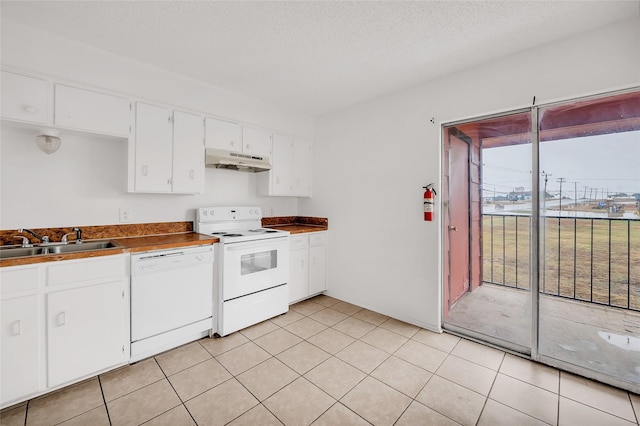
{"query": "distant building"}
[(519, 196)]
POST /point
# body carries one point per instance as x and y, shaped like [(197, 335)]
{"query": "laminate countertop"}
[(123, 245), (296, 224)]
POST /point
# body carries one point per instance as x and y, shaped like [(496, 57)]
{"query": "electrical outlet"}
[(271, 211), (125, 215)]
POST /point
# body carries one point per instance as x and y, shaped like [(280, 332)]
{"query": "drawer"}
[(70, 271), (298, 241), (18, 279), (318, 239)]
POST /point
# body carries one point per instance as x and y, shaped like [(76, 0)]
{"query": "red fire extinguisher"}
[(428, 202)]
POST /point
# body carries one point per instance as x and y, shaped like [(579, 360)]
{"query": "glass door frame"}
[(535, 252)]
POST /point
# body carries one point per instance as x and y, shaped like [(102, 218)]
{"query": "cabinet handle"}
[(16, 328), (191, 174), (248, 146), (145, 170), (30, 109), (169, 181), (233, 143), (62, 319)]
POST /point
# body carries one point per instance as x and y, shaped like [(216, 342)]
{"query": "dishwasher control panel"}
[(156, 261)]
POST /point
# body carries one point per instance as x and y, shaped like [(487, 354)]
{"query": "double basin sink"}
[(53, 248)]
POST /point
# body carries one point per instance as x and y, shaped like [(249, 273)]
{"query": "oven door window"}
[(258, 262)]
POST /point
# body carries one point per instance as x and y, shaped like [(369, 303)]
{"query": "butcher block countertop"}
[(296, 224)]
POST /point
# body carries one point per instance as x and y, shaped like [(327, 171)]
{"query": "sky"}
[(610, 162)]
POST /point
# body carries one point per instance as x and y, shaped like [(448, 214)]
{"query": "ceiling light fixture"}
[(48, 143)]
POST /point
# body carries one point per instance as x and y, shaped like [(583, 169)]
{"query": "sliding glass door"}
[(549, 261), (487, 219), (589, 304)]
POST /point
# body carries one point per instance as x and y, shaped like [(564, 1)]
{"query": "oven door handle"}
[(248, 246)]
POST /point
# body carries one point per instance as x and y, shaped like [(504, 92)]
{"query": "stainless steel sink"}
[(9, 253)]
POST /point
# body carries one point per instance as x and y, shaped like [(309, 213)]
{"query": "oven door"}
[(251, 266)]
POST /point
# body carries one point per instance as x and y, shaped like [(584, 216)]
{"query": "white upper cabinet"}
[(223, 135), (282, 166), (302, 167), (26, 99), (168, 151), (256, 142), (230, 136), (188, 153), (290, 174), (91, 111), (153, 149)]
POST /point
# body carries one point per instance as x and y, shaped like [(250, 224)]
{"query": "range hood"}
[(223, 159)]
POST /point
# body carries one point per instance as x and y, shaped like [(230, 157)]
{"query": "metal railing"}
[(594, 260)]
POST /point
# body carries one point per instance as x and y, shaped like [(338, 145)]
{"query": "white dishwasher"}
[(171, 298)]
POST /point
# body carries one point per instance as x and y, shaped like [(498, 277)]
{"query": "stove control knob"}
[(250, 211), (204, 212), (211, 212)]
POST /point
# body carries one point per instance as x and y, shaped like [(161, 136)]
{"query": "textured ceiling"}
[(316, 56)]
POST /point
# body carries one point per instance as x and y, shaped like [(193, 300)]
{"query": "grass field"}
[(587, 259)]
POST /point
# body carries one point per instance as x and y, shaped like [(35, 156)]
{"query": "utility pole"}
[(575, 194), (561, 180), (546, 178)]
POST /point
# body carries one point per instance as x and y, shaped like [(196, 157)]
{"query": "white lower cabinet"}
[(84, 331), (308, 265), (20, 341), (62, 322)]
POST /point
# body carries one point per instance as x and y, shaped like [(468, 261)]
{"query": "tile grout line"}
[(104, 400)]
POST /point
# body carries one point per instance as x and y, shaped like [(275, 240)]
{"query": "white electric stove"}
[(252, 267)]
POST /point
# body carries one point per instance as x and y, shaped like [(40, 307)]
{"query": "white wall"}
[(371, 161), (84, 183)]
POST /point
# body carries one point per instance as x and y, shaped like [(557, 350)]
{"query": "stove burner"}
[(232, 235), (270, 231)]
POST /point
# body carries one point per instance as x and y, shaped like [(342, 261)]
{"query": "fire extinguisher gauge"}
[(430, 187)]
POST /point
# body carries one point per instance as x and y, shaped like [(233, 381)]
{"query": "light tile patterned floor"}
[(327, 362)]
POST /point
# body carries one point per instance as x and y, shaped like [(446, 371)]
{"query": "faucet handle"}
[(65, 236), (25, 241), (78, 232)]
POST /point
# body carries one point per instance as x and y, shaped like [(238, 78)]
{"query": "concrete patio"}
[(596, 337)]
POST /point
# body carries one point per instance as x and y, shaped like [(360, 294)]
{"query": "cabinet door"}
[(85, 331), (317, 269), (223, 135), (91, 111), (25, 98), (153, 149), (302, 167), (298, 274), (188, 153), (282, 166), (256, 142), (20, 350)]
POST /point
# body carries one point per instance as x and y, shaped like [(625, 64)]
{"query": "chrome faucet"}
[(76, 231), (42, 239), (25, 241)]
